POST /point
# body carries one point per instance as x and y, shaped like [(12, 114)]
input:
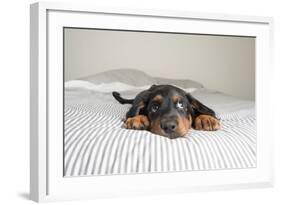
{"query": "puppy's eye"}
[(179, 105), (154, 108)]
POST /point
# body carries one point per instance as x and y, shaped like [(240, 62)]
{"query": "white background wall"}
[(14, 103), (226, 64)]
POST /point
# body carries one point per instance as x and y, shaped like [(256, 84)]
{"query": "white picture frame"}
[(46, 87)]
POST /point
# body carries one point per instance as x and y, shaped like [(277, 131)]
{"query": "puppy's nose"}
[(169, 126)]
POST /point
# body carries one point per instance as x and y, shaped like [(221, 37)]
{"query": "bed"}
[(96, 144)]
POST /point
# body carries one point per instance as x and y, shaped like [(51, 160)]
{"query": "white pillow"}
[(109, 87), (102, 87), (137, 78)]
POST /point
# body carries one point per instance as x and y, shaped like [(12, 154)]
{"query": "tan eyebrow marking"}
[(176, 98), (158, 98)]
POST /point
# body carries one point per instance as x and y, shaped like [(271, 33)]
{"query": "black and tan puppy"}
[(168, 111)]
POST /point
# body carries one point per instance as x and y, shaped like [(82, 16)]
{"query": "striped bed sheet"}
[(95, 143)]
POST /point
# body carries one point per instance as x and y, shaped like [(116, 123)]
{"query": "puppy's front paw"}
[(139, 122), (207, 123)]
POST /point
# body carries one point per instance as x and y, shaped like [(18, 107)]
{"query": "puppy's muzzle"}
[(169, 126)]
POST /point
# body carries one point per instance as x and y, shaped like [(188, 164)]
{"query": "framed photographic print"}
[(129, 102)]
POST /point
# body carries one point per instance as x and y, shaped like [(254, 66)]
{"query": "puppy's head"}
[(169, 111)]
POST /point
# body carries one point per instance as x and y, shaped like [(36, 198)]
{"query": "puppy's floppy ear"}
[(140, 103), (198, 108)]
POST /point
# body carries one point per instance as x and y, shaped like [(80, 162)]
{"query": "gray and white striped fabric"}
[(95, 143)]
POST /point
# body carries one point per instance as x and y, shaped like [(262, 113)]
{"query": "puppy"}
[(168, 111)]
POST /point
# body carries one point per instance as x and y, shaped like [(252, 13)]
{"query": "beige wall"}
[(222, 63)]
